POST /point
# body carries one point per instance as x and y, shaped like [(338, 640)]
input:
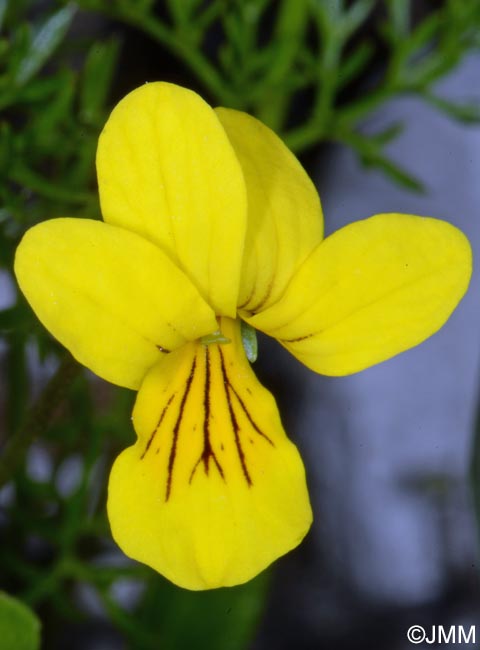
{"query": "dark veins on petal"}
[(235, 405), (207, 452), (176, 429), (160, 420), (298, 339)]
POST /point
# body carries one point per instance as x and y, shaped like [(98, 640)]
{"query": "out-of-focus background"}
[(380, 100)]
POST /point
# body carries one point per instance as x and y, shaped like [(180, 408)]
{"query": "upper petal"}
[(369, 291), (112, 298), (285, 221), (167, 171), (213, 491)]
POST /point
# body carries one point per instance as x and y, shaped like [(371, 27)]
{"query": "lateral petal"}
[(112, 298), (213, 491), (371, 290), (285, 221), (167, 171)]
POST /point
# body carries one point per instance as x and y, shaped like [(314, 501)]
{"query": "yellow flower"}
[(209, 219)]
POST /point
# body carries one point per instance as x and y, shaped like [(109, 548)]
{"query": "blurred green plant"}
[(19, 627), (341, 59), (311, 69)]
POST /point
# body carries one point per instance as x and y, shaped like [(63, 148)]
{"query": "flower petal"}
[(167, 171), (371, 290), (113, 299), (213, 491), (285, 221)]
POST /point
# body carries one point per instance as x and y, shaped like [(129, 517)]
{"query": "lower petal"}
[(213, 491)]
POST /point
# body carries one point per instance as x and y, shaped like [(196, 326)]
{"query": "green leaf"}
[(143, 6), (9, 319), (369, 149), (45, 41), (38, 90), (355, 63), (215, 337), (20, 44), (19, 627), (288, 40), (399, 11), (3, 9), (47, 124), (249, 340), (15, 365), (331, 10), (6, 147), (220, 619), (97, 78), (30, 179), (424, 34), (357, 15), (396, 173), (469, 113), (180, 11), (390, 133)]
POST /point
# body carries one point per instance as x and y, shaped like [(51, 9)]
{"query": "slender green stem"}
[(24, 176), (357, 110), (38, 418), (43, 587), (345, 121), (308, 134), (289, 36), (327, 76), (192, 57)]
